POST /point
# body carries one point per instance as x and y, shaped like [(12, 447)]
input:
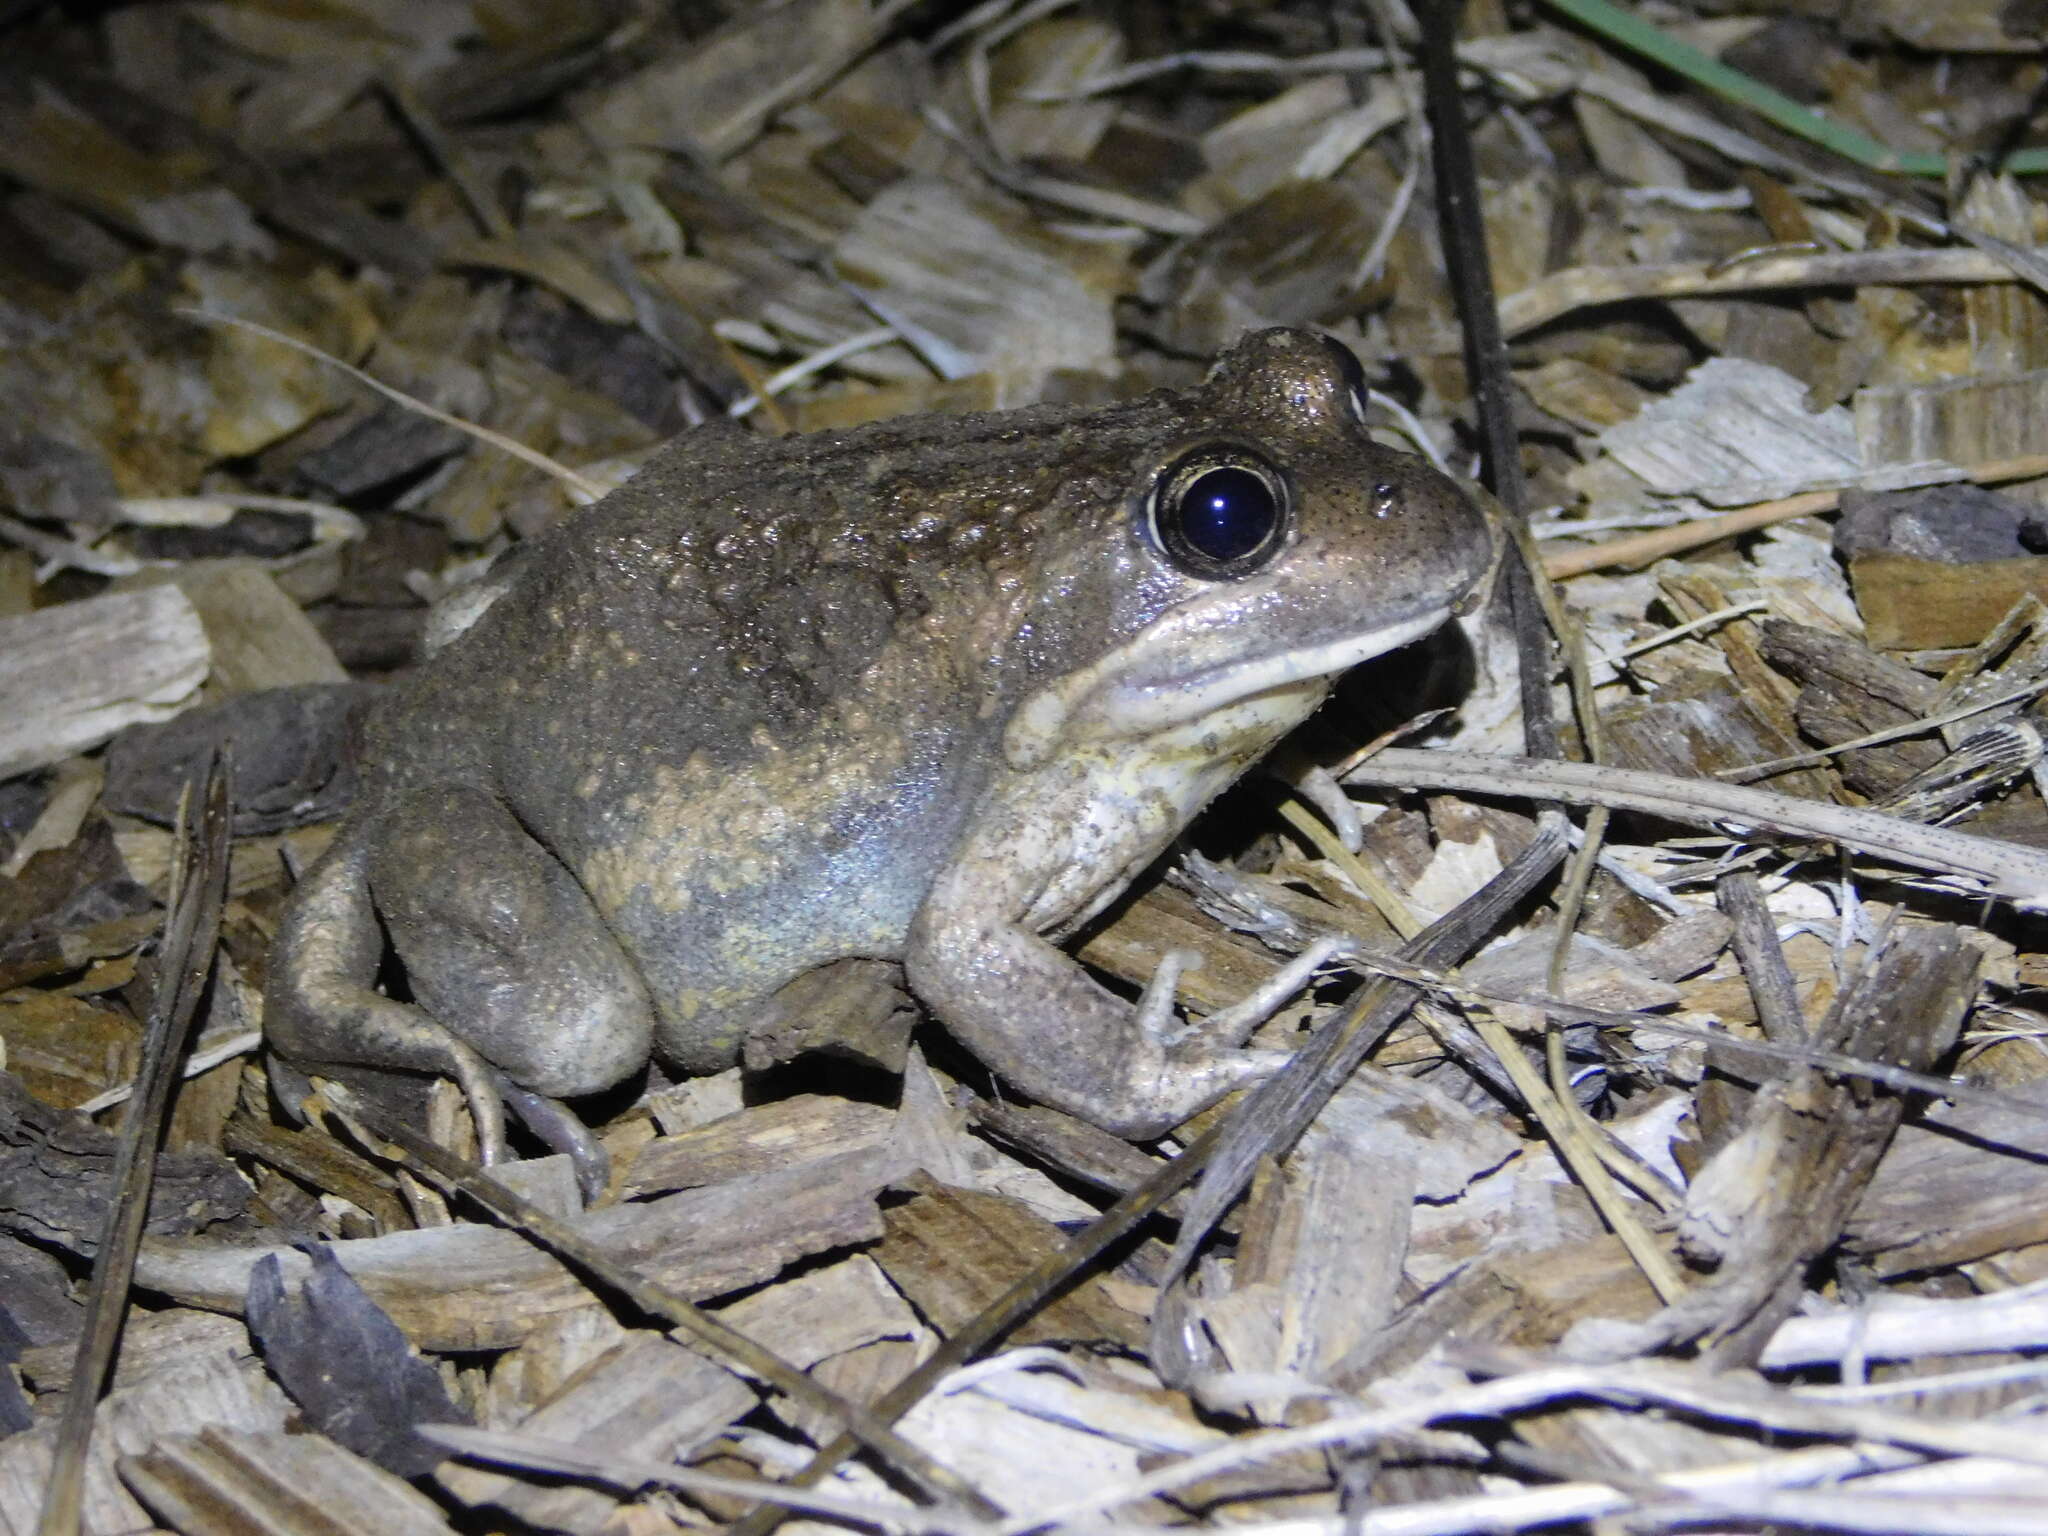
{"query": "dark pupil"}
[(1227, 513)]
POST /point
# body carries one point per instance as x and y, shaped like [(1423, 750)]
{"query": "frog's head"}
[(1265, 544)]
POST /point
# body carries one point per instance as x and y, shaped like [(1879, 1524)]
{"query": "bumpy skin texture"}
[(928, 690)]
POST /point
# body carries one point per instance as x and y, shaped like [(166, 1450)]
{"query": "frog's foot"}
[(322, 1012), (1319, 787), (1154, 1014), (402, 1094), (1037, 1019), (1230, 1026)]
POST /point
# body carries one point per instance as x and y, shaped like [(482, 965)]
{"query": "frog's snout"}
[(1485, 517)]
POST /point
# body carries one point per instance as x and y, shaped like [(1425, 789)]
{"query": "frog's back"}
[(762, 580)]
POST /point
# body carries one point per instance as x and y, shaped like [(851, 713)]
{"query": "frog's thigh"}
[(503, 947), (1039, 1021)]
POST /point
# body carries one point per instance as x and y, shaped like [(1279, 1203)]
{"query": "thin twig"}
[(1643, 548), (199, 882), (582, 485), (2012, 870)]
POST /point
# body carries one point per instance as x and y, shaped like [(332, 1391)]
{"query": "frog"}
[(932, 690)]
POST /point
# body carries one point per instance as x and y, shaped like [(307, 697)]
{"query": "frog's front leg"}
[(1036, 1018)]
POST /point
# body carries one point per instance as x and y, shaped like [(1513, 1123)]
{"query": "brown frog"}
[(932, 690)]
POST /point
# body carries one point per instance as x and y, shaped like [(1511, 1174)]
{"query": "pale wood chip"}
[(473, 1287), (220, 1388), (975, 286), (953, 1251), (73, 675), (647, 1398)]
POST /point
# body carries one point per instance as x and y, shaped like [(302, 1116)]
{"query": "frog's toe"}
[(1234, 1025), (556, 1124), (1157, 1095), (1153, 1016)]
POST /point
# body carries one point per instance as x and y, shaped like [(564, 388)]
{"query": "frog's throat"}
[(1110, 699)]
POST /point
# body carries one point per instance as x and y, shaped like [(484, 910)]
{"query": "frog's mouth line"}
[(1095, 703)]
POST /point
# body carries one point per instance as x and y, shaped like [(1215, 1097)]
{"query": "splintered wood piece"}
[(846, 1323), (1699, 725), (1130, 945), (1969, 420), (1319, 1265), (1553, 1288), (2007, 324), (646, 1399), (1735, 432), (228, 1388), (1572, 288), (1966, 1184), (473, 1287), (718, 94), (322, 1162), (1848, 692), (73, 675), (1321, 1259), (150, 1341), (860, 1375), (853, 1008), (825, 1312), (1032, 1437), (57, 1170), (1778, 1195), (1597, 973), (65, 1049), (1046, 59), (224, 1479), (1693, 595), (1292, 252), (976, 286), (953, 1251), (1587, 397), (1075, 1147), (74, 791), (1582, 1443), (759, 1140)]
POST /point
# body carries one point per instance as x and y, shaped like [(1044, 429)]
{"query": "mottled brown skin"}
[(926, 690)]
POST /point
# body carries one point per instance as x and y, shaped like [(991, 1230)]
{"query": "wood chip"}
[(228, 1479), (975, 287), (72, 676), (953, 1251)]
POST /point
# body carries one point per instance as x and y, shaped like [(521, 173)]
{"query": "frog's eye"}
[(1220, 513)]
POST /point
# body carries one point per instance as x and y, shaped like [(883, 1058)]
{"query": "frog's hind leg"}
[(322, 1012), (510, 966), (502, 945)]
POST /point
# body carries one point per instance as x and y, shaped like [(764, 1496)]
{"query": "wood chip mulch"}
[(1712, 1192)]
